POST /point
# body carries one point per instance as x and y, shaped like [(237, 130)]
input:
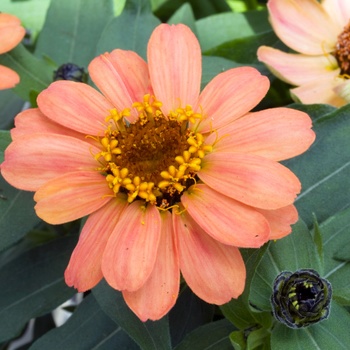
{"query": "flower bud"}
[(70, 71), (301, 298)]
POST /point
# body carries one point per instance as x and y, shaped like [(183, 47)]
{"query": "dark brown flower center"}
[(342, 51)]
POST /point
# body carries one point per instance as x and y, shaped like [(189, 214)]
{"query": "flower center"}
[(155, 158), (342, 51)]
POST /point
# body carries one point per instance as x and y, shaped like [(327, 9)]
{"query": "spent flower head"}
[(173, 179)]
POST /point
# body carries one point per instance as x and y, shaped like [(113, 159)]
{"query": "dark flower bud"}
[(70, 71), (301, 298)]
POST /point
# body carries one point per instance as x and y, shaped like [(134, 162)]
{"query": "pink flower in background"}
[(319, 33), (173, 179), (11, 34)]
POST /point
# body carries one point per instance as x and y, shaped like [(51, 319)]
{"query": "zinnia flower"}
[(172, 179), (11, 34), (320, 34)]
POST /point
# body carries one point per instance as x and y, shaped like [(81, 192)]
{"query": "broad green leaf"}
[(213, 336), (148, 335), (131, 30), (31, 12), (17, 214), (218, 29), (336, 239), (88, 328), (10, 105), (75, 28), (184, 15), (324, 169), (238, 311), (32, 284), (35, 74), (5, 140), (296, 251), (332, 333), (212, 66), (188, 313), (244, 50)]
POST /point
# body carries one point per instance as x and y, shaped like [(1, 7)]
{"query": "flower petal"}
[(158, 295), (297, 69), (339, 11), (32, 121), (34, 159), (303, 25), (320, 91), (71, 196), (230, 95), (225, 219), (214, 271), (122, 76), (250, 179), (9, 78), (75, 105), (131, 251), (276, 134), (174, 61), (11, 32), (84, 269), (280, 220)]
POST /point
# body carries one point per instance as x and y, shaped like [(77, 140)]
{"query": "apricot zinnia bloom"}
[(11, 34), (173, 179), (320, 34)]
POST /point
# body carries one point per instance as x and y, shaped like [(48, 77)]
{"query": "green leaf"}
[(75, 28), (10, 105), (149, 335), (32, 13), (32, 284), (238, 340), (184, 15), (35, 74), (328, 334), (296, 251), (324, 169), (17, 214), (212, 66), (88, 328), (218, 29), (213, 336), (335, 237), (131, 30), (5, 140)]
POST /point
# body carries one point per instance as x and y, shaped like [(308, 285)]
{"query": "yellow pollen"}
[(155, 158)]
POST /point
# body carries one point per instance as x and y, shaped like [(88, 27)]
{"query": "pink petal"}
[(214, 271), (174, 60), (11, 32), (131, 251), (34, 159), (320, 91), (9, 78), (339, 11), (303, 25), (122, 76), (250, 179), (230, 95), (225, 219), (280, 220), (32, 121), (276, 134), (158, 295), (84, 269), (297, 69), (71, 196), (75, 105)]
